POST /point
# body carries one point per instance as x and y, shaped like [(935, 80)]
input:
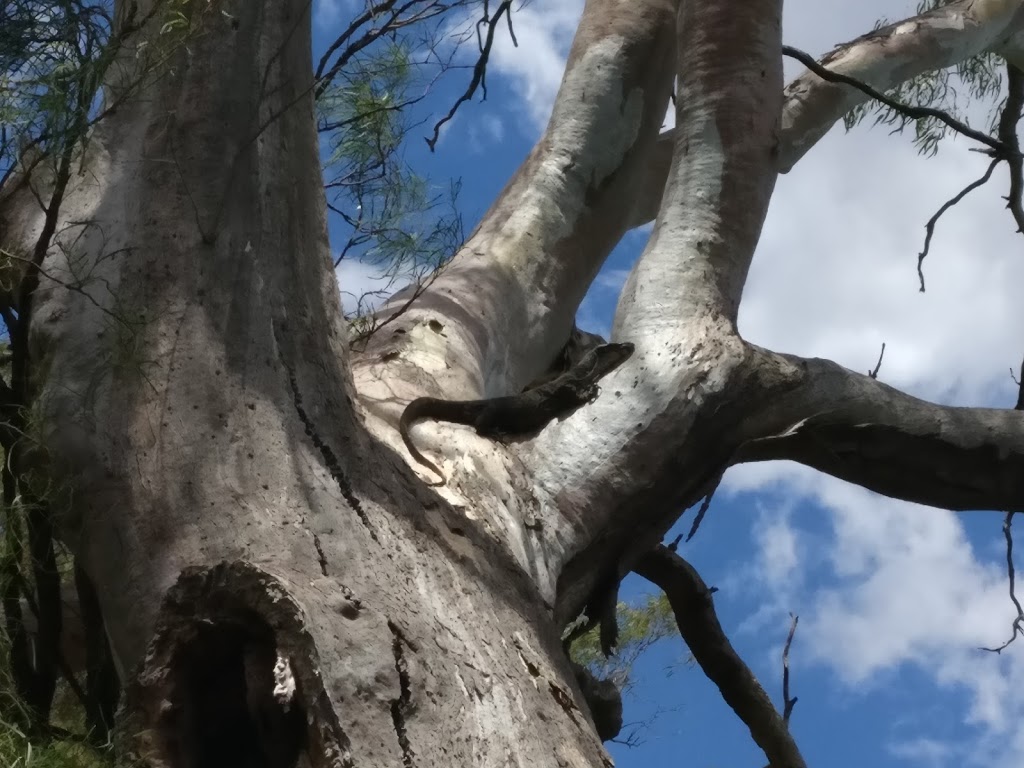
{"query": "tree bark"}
[(243, 532), (898, 52), (277, 583)]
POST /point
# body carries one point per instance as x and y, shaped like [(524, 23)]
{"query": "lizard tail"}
[(415, 452)]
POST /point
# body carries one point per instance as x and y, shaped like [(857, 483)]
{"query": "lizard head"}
[(611, 355)]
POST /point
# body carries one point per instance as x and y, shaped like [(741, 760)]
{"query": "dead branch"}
[(929, 228), (705, 505), (380, 20), (1020, 389), (1004, 148), (787, 702), (480, 68), (998, 148), (1007, 132), (878, 366), (1011, 575), (699, 627)]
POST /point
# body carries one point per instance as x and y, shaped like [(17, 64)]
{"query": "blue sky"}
[(893, 598)]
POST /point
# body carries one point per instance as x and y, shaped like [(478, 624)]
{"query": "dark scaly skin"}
[(522, 414)]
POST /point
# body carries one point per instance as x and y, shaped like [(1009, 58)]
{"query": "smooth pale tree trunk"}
[(274, 574), (218, 483)]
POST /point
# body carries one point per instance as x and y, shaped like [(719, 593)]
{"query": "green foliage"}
[(55, 56), (640, 627), (951, 90), (51, 61), (65, 747), (394, 218), (18, 751)]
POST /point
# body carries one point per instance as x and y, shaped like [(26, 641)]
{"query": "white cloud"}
[(544, 30), (612, 279), (359, 280), (912, 590), (485, 131), (929, 753), (670, 111), (779, 548), (835, 273), (906, 589)]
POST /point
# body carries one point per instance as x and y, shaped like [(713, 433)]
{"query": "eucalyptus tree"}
[(279, 580)]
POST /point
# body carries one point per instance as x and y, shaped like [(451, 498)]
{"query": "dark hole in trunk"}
[(223, 711)]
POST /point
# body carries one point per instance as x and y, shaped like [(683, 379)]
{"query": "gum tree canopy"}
[(279, 580)]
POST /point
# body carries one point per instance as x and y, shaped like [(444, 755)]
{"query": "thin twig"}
[(787, 702), (998, 147), (479, 69), (874, 374), (1020, 389), (929, 228), (1011, 578), (67, 286)]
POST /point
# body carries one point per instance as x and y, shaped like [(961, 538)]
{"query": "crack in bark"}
[(328, 455), (566, 702), (320, 556), (402, 705)]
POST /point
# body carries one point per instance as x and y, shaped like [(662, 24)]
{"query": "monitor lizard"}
[(522, 414)]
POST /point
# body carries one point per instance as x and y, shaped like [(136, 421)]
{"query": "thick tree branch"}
[(884, 58), (690, 599), (509, 297), (679, 305), (861, 430)]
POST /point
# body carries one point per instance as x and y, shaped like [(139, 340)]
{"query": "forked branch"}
[(940, 38), (1011, 579), (484, 44), (690, 599), (1005, 147)]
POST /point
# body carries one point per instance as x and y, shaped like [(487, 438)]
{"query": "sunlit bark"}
[(231, 474)]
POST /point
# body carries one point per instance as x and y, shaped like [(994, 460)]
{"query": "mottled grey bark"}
[(273, 574)]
